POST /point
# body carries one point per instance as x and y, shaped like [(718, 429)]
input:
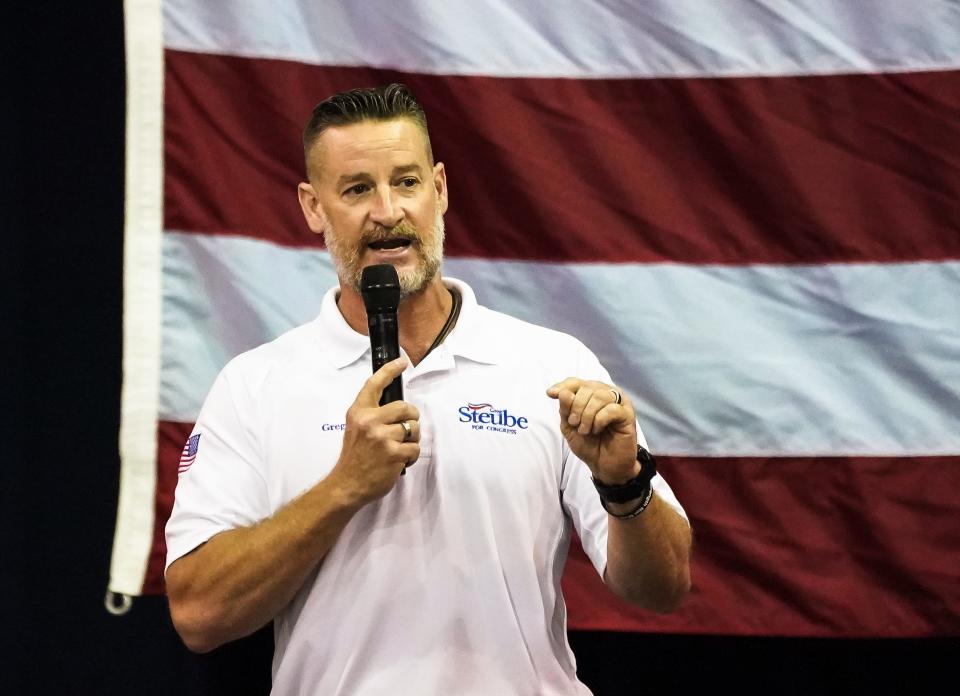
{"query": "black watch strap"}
[(637, 487)]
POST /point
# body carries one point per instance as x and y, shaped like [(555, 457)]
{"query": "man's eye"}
[(408, 182), (356, 190)]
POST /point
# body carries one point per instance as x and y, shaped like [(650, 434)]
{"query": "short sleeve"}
[(580, 500), (222, 487)]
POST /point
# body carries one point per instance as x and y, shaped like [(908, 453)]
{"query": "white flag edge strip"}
[(133, 535), (722, 361), (590, 39)]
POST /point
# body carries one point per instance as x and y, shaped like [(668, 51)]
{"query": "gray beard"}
[(346, 262)]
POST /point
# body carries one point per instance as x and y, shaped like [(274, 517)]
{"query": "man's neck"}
[(420, 317)]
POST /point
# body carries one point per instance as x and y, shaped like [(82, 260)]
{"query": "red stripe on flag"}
[(804, 547), (806, 169), (170, 439), (782, 546)]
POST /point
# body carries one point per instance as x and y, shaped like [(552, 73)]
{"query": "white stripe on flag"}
[(844, 359), (224, 295), (666, 38)]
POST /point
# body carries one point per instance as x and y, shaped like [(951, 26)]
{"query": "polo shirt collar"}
[(343, 345), (472, 337), (469, 338)]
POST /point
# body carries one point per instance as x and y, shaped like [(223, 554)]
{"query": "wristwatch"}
[(637, 487)]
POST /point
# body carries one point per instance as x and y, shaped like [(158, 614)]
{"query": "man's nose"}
[(386, 211)]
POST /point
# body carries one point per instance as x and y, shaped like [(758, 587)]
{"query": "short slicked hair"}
[(384, 103)]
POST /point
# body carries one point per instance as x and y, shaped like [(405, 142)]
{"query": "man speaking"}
[(414, 547)]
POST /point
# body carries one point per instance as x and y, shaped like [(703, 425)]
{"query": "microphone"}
[(380, 289)]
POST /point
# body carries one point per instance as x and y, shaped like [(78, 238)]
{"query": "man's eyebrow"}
[(349, 178), (406, 168), (365, 176)]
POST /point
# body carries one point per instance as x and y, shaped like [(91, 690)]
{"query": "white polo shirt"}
[(450, 584)]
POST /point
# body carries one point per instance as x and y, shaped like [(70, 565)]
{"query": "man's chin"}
[(415, 282)]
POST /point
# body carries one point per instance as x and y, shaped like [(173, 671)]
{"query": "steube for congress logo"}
[(486, 417)]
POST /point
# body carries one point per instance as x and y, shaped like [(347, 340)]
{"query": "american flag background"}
[(750, 210)]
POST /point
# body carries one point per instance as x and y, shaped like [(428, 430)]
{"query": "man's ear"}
[(312, 210), (440, 184)]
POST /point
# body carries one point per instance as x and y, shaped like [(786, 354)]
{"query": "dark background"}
[(62, 279)]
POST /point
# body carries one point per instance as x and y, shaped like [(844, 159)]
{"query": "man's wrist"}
[(630, 509), (632, 489), (610, 480)]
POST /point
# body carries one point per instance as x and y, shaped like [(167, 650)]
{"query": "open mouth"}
[(395, 243)]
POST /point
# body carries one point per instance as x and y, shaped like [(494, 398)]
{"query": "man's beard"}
[(347, 258)]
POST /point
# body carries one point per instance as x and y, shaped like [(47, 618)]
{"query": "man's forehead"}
[(393, 140)]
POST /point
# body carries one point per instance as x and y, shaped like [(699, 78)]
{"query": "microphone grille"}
[(380, 288)]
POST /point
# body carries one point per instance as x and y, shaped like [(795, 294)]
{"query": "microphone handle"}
[(384, 347)]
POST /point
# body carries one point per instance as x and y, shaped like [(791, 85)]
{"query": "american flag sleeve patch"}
[(189, 453)]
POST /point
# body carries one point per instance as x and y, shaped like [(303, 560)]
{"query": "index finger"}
[(378, 381), (571, 383)]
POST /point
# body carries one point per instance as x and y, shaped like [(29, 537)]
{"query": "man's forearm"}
[(648, 556), (240, 579)]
